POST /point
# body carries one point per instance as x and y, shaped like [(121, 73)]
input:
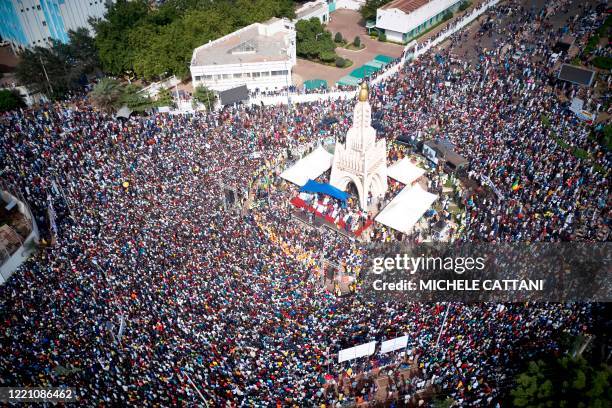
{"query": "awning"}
[(405, 210), (234, 95), (315, 84), (384, 58), (404, 171), (309, 167), (313, 187), (348, 81)]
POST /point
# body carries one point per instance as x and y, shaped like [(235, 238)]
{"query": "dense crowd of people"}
[(156, 295)]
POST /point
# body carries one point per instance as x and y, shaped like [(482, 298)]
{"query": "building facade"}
[(30, 23), (259, 56), (404, 20), (361, 160)]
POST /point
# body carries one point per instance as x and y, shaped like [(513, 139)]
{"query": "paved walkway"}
[(347, 23)]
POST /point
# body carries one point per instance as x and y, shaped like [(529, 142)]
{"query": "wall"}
[(262, 82)]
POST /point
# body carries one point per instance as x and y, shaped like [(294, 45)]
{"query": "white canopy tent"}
[(404, 171), (406, 209), (309, 167)]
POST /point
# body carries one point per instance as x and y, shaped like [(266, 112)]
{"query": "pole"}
[(46, 76), (196, 388), (443, 323)]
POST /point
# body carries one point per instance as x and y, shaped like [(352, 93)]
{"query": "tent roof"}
[(384, 58), (406, 209), (363, 71), (309, 167), (375, 63), (404, 171), (348, 80), (313, 187), (315, 83)]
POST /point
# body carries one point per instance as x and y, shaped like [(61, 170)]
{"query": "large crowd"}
[(225, 305)]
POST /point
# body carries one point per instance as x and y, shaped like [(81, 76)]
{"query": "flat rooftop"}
[(243, 47)]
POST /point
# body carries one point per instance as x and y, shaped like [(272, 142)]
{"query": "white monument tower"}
[(361, 159)]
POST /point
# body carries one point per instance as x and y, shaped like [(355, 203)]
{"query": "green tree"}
[(10, 100), (338, 37), (66, 65), (368, 10), (313, 40), (107, 95), (113, 30), (133, 99), (357, 41), (563, 382), (164, 97), (205, 96), (340, 62)]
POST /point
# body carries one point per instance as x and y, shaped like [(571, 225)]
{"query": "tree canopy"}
[(368, 10), (314, 41), (66, 65), (10, 100), (564, 382), (160, 41), (205, 96)]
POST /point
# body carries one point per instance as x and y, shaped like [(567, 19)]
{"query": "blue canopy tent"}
[(312, 186)]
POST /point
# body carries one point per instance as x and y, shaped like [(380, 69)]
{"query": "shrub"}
[(327, 56), (338, 37), (447, 16), (382, 37), (340, 62), (357, 42)]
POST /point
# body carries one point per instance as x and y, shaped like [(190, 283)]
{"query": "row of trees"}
[(109, 95), (10, 100)]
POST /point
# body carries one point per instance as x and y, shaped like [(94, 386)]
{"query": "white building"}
[(30, 23), (362, 159), (403, 20), (317, 9), (260, 55)]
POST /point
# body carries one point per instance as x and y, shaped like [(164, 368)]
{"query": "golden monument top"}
[(363, 93)]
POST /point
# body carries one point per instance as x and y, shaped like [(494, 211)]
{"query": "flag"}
[(516, 185)]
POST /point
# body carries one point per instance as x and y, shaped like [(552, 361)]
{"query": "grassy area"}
[(580, 153), (545, 120), (352, 47)]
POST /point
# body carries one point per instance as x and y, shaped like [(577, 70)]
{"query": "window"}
[(226, 76), (256, 74), (265, 74), (207, 77), (279, 73), (198, 78), (237, 75)]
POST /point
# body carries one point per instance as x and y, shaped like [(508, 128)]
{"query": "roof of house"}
[(242, 47), (407, 6)]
